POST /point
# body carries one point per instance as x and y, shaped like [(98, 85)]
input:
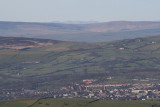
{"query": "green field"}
[(50, 102), (65, 62)]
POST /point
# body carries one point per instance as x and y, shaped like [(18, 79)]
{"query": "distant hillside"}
[(62, 63), (108, 31)]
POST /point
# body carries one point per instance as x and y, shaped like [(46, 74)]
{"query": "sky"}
[(79, 10)]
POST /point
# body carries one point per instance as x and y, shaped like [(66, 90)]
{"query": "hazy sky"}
[(79, 10)]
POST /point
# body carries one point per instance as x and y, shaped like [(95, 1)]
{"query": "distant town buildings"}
[(89, 89)]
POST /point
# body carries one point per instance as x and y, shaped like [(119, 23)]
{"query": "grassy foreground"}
[(60, 102)]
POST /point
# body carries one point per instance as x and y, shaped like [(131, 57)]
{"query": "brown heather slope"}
[(21, 43)]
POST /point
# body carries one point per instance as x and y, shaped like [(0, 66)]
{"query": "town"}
[(88, 88)]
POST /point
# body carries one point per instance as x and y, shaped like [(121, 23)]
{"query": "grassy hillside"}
[(65, 62), (50, 102), (98, 32)]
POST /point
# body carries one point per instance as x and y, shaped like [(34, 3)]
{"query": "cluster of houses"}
[(89, 88)]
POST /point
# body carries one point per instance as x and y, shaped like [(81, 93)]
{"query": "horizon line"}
[(65, 22)]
